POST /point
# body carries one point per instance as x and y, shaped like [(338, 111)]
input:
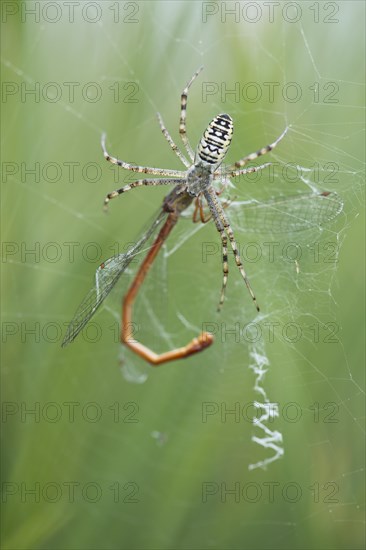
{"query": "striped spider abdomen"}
[(216, 140)]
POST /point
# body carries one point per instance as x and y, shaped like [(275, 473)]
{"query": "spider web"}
[(300, 354)]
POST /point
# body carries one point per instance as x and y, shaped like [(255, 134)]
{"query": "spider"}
[(195, 184), (203, 170)]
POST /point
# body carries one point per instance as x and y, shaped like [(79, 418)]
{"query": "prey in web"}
[(200, 184)]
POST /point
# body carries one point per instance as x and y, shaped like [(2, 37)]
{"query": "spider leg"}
[(139, 183), (182, 120), (223, 180), (225, 266), (242, 162), (248, 170), (195, 217), (225, 269), (140, 169), (198, 208), (203, 218), (223, 226), (169, 139)]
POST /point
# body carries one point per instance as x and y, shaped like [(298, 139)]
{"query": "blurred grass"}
[(160, 52)]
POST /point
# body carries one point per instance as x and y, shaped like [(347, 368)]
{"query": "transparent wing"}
[(106, 276), (287, 214)]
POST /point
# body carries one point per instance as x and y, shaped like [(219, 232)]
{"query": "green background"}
[(140, 467)]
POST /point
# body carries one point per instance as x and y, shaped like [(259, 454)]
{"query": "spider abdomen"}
[(216, 139)]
